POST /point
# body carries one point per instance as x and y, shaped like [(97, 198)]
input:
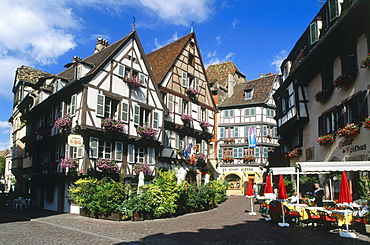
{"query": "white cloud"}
[(218, 39), (234, 23), (212, 58), (168, 41), (181, 12), (278, 59), (4, 146)]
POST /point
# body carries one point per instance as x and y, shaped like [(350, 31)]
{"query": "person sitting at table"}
[(295, 198), (318, 193)]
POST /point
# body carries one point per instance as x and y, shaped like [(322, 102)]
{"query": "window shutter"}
[(253, 111), (222, 132), (155, 120), (180, 106), (220, 153), (232, 113), (100, 105), (72, 106), (362, 107), (247, 112), (340, 116), (333, 9), (235, 152), (265, 152), (314, 37), (125, 112), (136, 114), (130, 153), (197, 84), (80, 152), (151, 156), (94, 144), (236, 131), (264, 130), (257, 152), (177, 141), (170, 102), (226, 113), (118, 151), (275, 133), (121, 70), (184, 79)]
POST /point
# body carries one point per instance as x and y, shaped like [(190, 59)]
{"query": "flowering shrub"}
[(106, 164), (63, 122), (367, 123), (322, 95), (365, 63), (187, 117), (294, 153), (146, 131), (345, 78), (68, 162), (348, 130), (205, 124), (113, 124), (141, 167), (192, 91), (200, 157), (325, 139), (133, 81)]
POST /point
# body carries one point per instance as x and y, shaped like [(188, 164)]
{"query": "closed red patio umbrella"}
[(268, 186), (344, 191), (250, 194), (282, 189)]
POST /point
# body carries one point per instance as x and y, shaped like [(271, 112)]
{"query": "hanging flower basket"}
[(68, 162), (192, 91), (113, 124), (365, 63), (146, 131), (324, 94), (348, 130), (326, 139), (187, 117), (345, 78), (133, 82), (200, 157), (294, 153), (367, 123), (141, 167), (106, 164), (63, 122)]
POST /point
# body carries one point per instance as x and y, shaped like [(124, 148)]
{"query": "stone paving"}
[(229, 223)]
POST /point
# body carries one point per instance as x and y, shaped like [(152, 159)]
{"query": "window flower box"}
[(348, 130), (133, 82), (365, 63), (113, 124), (228, 159), (345, 78), (64, 122), (294, 153), (187, 117), (141, 167), (366, 123), (204, 124), (200, 157), (68, 162), (146, 131), (326, 139), (106, 164), (192, 91), (323, 95), (229, 140), (249, 159)]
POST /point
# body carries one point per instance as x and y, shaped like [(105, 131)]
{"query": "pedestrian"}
[(318, 193)]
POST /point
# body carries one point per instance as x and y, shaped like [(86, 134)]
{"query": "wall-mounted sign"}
[(75, 140)]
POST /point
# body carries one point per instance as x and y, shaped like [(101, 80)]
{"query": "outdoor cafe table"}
[(344, 217), (300, 207)]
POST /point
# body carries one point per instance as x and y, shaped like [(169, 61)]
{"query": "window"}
[(170, 104), (118, 150), (229, 113), (270, 112), (276, 133), (136, 114), (184, 80), (166, 138), (264, 130), (247, 129), (142, 77), (250, 111), (77, 152), (151, 156), (130, 153), (327, 76), (265, 152), (229, 132), (220, 153), (191, 60), (177, 141), (328, 123), (121, 70), (333, 9), (140, 155), (72, 105), (196, 84), (349, 59), (248, 94), (105, 149), (106, 107), (238, 152), (236, 132), (227, 152), (257, 152), (125, 112), (314, 33), (78, 71), (297, 138), (94, 143), (155, 120)]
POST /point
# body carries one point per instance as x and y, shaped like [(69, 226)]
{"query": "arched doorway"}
[(233, 182)]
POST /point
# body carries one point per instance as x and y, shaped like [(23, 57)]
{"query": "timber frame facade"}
[(106, 99), (179, 72)]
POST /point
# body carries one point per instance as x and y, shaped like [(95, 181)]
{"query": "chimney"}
[(76, 59), (101, 44), (268, 74), (230, 85), (261, 74)]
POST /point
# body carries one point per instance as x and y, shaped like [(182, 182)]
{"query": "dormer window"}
[(315, 28), (248, 93), (334, 8)]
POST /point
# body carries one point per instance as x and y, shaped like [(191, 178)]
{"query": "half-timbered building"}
[(101, 116), (179, 72)]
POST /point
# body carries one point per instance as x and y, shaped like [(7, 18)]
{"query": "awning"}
[(283, 170), (326, 167)]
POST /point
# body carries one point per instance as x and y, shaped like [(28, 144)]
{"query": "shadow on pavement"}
[(13, 215)]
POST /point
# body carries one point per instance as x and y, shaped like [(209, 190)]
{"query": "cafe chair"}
[(313, 218), (292, 215), (327, 219)]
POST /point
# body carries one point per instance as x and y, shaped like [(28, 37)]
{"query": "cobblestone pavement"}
[(229, 223)]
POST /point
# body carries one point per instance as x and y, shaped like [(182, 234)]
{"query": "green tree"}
[(2, 166)]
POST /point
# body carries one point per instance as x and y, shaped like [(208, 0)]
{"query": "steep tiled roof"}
[(219, 72), (96, 59), (31, 75), (161, 60), (261, 89)]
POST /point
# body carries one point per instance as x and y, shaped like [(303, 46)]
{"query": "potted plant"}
[(345, 78), (146, 131), (326, 139), (324, 94), (113, 124), (106, 164), (204, 124), (64, 122), (365, 63), (348, 130)]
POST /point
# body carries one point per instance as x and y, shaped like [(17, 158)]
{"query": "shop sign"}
[(347, 147), (240, 169), (75, 140)]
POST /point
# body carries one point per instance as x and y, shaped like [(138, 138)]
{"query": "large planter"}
[(367, 228), (138, 216)]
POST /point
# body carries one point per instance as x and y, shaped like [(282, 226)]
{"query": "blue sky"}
[(45, 34)]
